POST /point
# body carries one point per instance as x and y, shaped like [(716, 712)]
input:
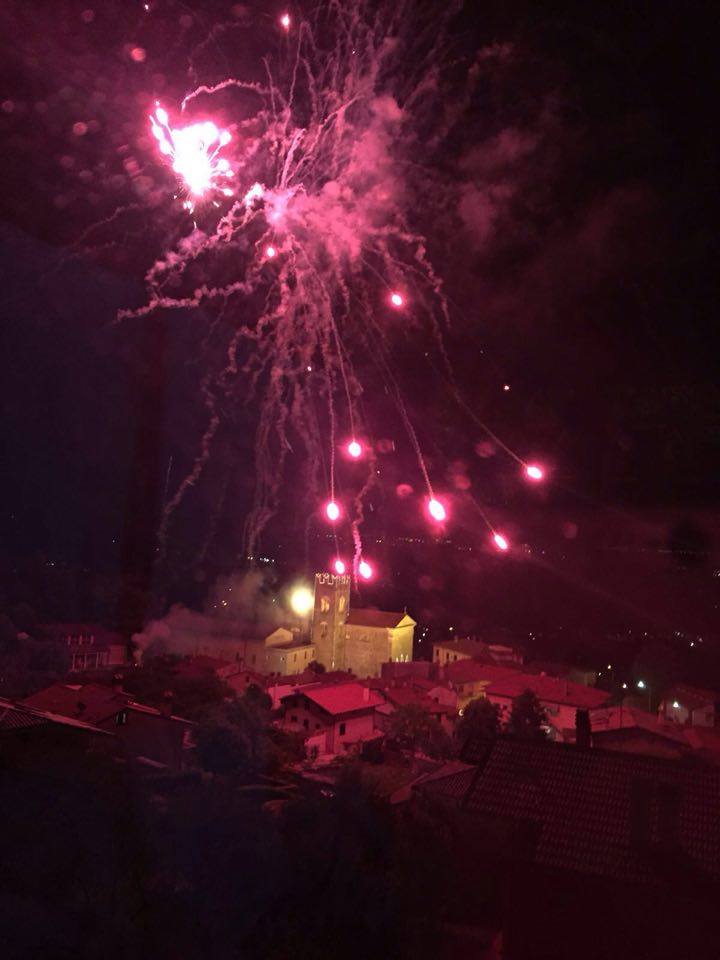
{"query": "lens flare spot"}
[(437, 510), (332, 510), (302, 601)]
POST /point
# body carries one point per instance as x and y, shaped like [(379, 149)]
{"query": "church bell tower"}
[(332, 602)]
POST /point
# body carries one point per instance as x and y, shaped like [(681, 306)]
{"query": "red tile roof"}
[(15, 716), (598, 812), (340, 698), (622, 718), (506, 682), (90, 702), (375, 618)]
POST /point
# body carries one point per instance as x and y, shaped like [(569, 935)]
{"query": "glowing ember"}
[(270, 252), (193, 151), (533, 472), (339, 567), (332, 510), (285, 21), (254, 193), (436, 510), (500, 542), (397, 299), (354, 449), (365, 570)]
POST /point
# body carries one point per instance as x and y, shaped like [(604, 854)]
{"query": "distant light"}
[(302, 601), (676, 705), (609, 666), (365, 570), (332, 510), (270, 252), (501, 542), (339, 567), (624, 686), (506, 387), (285, 21), (534, 472), (354, 449), (436, 510), (641, 684), (397, 299)]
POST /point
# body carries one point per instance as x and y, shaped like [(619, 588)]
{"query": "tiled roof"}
[(402, 696), (15, 716), (506, 682), (91, 702), (376, 618), (601, 812), (338, 698), (617, 718)]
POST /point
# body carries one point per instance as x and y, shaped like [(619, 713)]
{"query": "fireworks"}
[(436, 510), (194, 152), (325, 159), (501, 542)]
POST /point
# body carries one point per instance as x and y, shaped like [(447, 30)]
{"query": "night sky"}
[(577, 239)]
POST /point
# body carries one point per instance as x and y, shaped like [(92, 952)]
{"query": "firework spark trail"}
[(320, 179)]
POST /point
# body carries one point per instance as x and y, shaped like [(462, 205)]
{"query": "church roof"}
[(377, 618)]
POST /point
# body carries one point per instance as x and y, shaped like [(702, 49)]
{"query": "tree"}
[(316, 667), (480, 720), (236, 739), (413, 729), (527, 718)]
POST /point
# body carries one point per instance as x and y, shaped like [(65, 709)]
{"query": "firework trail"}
[(302, 233)]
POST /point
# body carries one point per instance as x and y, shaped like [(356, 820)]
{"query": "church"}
[(356, 640)]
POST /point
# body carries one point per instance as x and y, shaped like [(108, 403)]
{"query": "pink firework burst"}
[(194, 152)]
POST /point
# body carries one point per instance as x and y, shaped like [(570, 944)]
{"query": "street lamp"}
[(644, 686)]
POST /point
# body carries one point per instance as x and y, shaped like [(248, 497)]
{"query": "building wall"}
[(448, 654), (401, 643), (150, 735), (332, 604), (366, 649), (302, 716)]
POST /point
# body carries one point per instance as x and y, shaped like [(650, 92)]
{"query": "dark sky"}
[(577, 238)]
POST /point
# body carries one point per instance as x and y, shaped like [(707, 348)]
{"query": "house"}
[(600, 854), (632, 730), (553, 668), (278, 687), (30, 734), (90, 645), (461, 648), (692, 705), (333, 716), (561, 699), (195, 668), (472, 648), (147, 733), (402, 695)]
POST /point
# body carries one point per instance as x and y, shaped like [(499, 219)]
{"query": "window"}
[(306, 654), (317, 726), (306, 723), (341, 729), (341, 604), (324, 605), (293, 718), (294, 658), (121, 718)]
